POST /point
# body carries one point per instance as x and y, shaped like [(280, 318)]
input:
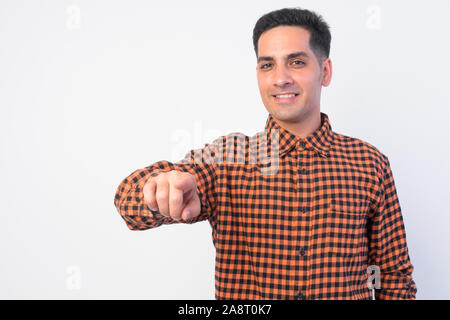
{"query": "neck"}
[(303, 127)]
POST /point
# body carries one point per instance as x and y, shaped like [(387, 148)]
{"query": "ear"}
[(327, 71)]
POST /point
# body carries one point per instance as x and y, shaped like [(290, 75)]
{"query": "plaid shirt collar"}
[(319, 141)]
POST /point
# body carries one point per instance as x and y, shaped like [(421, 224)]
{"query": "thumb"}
[(192, 208)]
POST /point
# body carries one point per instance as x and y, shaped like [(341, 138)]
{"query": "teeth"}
[(285, 95)]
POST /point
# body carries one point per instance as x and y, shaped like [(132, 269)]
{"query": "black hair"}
[(320, 38)]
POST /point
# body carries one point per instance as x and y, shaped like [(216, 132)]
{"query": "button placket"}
[(304, 159), (302, 169)]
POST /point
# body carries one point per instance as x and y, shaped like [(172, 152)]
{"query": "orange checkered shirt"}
[(291, 218)]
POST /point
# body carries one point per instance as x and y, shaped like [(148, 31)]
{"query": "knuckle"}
[(160, 178), (172, 174)]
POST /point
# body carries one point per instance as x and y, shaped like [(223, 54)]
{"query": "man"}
[(309, 223)]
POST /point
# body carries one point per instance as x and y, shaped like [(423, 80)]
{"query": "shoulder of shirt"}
[(351, 144), (225, 140), (244, 143), (229, 137)]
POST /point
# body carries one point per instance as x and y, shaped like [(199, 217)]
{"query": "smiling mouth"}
[(285, 98)]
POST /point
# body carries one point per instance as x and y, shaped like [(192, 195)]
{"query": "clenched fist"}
[(173, 194)]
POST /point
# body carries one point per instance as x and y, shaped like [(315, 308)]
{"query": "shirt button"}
[(303, 171), (303, 209), (302, 144), (302, 252), (300, 295)]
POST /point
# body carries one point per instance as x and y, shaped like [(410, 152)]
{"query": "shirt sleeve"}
[(388, 247), (129, 198)]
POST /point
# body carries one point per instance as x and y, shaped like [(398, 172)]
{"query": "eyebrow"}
[(289, 56)]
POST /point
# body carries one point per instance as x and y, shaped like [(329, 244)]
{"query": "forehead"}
[(282, 40)]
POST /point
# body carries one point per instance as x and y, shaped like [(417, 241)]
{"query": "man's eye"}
[(300, 62), (265, 66)]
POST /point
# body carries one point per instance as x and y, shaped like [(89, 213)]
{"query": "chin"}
[(287, 114)]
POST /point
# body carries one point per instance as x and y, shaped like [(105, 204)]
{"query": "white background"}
[(93, 90)]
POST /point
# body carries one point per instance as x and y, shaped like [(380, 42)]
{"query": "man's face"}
[(286, 64)]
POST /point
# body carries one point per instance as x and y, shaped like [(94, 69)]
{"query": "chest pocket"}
[(340, 227)]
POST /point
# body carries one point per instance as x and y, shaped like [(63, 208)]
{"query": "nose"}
[(282, 77)]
